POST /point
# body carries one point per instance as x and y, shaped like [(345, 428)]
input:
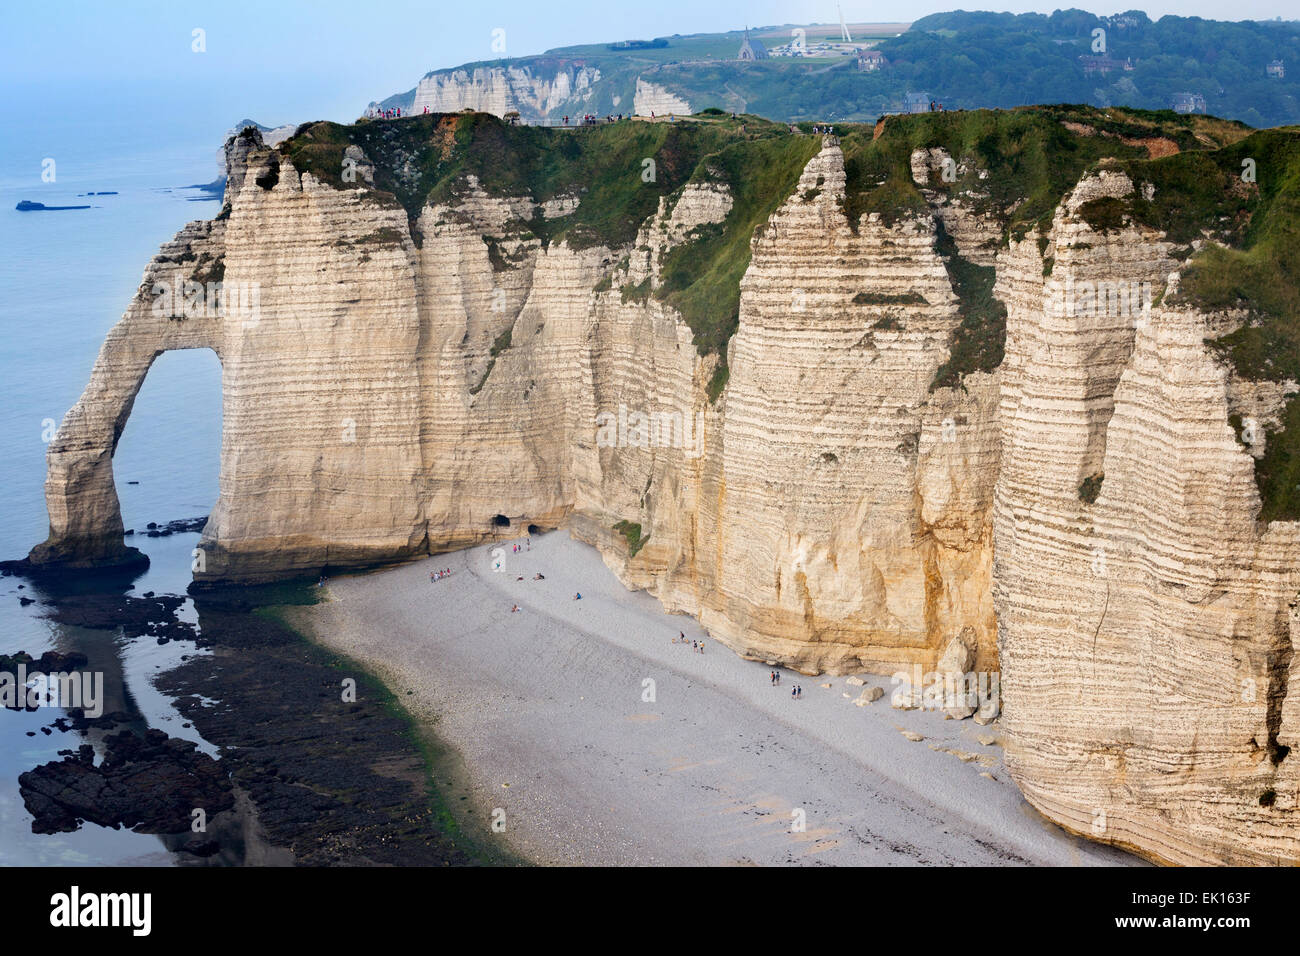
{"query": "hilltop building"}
[(916, 102), (1276, 69), (1103, 64), (871, 60), (751, 49), (1187, 103)]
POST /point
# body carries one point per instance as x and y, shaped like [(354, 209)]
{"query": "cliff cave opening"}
[(533, 529), (501, 521)]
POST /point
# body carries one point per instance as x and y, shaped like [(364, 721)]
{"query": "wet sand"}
[(548, 712)]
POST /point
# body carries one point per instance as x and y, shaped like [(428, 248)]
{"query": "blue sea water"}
[(65, 278)]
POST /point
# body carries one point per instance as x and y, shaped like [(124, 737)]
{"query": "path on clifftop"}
[(545, 707)]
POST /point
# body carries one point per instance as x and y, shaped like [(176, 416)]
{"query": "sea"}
[(65, 278)]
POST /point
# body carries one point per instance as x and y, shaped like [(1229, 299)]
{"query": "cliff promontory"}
[(1005, 393)]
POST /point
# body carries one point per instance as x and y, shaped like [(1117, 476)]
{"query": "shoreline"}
[(546, 712), (444, 776)]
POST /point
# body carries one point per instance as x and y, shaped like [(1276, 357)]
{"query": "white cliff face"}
[(1145, 637), (653, 99), (829, 510), (499, 90), (831, 478)]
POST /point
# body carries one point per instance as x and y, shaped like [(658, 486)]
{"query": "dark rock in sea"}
[(28, 206), (50, 662), (24, 601), (149, 784), (76, 719), (137, 616), (216, 187), (200, 847)]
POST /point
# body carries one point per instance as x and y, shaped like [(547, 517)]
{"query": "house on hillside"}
[(1187, 103), (1276, 70), (751, 49), (916, 102), (871, 60), (1103, 64)]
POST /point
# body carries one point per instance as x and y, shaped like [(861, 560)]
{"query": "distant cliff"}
[(999, 378), (1244, 70)]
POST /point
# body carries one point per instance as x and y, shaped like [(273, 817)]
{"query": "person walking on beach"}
[(792, 693)]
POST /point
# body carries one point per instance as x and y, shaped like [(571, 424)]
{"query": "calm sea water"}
[(65, 279)]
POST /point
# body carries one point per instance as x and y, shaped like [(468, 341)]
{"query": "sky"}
[(277, 61)]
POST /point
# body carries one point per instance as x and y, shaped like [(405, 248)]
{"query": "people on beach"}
[(798, 691), (539, 576), (578, 596), (514, 608)]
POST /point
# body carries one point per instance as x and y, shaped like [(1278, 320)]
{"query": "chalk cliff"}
[(534, 93), (843, 399)]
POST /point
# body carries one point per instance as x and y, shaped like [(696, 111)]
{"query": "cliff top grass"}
[(426, 159), (1031, 156)]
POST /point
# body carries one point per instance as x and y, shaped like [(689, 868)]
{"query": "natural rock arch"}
[(85, 515)]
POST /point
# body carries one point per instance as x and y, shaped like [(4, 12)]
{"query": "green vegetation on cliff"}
[(632, 533), (701, 278), (618, 172)]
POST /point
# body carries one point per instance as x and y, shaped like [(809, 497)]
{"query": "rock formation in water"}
[(965, 390)]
